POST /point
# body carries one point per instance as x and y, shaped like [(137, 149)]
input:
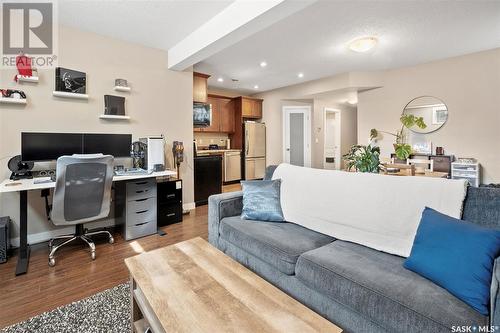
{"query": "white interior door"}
[(332, 154), (297, 135)]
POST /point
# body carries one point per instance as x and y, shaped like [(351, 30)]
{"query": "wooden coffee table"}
[(193, 287)]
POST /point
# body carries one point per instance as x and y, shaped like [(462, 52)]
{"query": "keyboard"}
[(132, 172)]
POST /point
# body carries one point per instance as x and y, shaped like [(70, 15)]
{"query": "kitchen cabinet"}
[(250, 107), (222, 115), (226, 112), (200, 87)]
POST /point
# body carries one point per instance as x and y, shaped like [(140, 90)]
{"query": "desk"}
[(24, 185)]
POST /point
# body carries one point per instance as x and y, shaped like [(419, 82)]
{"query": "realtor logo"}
[(29, 28)]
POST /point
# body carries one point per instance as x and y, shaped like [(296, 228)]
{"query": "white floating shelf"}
[(118, 88), (9, 100), (113, 117), (70, 95), (24, 78)]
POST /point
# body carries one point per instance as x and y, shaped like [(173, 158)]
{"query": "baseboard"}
[(188, 206), (43, 236), (47, 235)]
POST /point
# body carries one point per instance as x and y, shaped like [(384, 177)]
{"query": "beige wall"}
[(292, 96), (160, 103), (470, 87)]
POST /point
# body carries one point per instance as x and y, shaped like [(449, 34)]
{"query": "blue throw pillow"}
[(261, 200), (456, 255)]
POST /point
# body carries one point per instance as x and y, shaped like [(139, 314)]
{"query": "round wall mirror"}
[(433, 111)]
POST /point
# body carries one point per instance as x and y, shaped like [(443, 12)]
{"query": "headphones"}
[(137, 149)]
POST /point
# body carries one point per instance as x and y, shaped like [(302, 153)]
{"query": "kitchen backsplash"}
[(205, 139)]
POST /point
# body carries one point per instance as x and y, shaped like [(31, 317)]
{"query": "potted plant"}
[(363, 159), (401, 147)]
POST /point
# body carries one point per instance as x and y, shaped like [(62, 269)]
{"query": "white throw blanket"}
[(378, 211)]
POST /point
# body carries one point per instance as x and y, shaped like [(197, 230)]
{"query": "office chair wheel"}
[(52, 262), (92, 255), (111, 240)]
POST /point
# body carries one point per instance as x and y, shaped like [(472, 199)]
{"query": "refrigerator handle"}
[(246, 142)]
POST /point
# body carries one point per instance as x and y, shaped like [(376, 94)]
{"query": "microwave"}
[(202, 114)]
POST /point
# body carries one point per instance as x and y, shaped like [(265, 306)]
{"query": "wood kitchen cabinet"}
[(226, 112), (250, 107), (200, 87), (222, 115)]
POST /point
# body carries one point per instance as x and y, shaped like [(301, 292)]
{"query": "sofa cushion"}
[(377, 285), (277, 243), (457, 255), (482, 206)]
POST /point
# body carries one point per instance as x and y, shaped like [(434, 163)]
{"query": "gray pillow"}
[(261, 200)]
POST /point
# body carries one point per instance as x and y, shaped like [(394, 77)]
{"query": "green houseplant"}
[(401, 147), (363, 159)]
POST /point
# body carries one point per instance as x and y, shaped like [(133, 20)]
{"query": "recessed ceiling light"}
[(256, 87), (263, 64), (363, 44), (300, 75), (220, 79)]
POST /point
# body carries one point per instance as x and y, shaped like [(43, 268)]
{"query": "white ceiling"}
[(155, 23), (313, 41)]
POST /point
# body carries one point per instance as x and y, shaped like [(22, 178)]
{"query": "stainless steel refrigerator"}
[(254, 153)]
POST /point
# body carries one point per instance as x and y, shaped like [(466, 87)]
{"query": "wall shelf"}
[(9, 100), (65, 94), (24, 78), (113, 117), (125, 89)]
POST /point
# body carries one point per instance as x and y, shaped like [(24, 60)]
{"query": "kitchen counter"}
[(202, 152)]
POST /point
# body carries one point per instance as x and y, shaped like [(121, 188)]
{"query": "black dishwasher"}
[(207, 178)]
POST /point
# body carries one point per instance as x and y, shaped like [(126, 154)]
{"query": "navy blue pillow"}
[(456, 255), (261, 200)]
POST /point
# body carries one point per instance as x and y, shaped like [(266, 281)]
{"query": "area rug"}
[(107, 311)]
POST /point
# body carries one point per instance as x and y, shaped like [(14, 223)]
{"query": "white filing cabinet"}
[(470, 171), (136, 207)]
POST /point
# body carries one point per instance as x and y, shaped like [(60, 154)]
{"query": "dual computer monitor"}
[(50, 146)]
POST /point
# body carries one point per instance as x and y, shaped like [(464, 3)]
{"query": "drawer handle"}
[(141, 211), (139, 191), (141, 199), (171, 214), (141, 183), (170, 196), (139, 224)]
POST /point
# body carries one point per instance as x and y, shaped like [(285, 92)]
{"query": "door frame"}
[(306, 110), (338, 136)]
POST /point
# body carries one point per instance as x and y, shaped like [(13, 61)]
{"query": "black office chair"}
[(82, 194)]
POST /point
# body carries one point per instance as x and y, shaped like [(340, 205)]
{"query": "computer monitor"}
[(49, 146), (117, 145)]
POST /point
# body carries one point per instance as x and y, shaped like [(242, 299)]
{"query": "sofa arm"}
[(221, 206), (495, 294)]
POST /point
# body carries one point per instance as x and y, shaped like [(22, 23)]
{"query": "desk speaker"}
[(4, 238)]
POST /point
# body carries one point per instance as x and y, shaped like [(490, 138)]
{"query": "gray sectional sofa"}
[(355, 287)]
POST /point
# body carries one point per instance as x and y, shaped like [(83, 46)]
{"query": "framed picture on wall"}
[(71, 81)]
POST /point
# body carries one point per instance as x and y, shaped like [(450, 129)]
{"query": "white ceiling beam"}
[(240, 19)]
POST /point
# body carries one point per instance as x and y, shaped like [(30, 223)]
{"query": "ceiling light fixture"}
[(256, 87), (220, 79), (263, 64), (300, 75), (363, 44)]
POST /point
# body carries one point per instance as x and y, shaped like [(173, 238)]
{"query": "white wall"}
[(160, 102), (469, 85)]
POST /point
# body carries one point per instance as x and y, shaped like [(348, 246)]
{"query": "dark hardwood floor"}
[(75, 275)]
